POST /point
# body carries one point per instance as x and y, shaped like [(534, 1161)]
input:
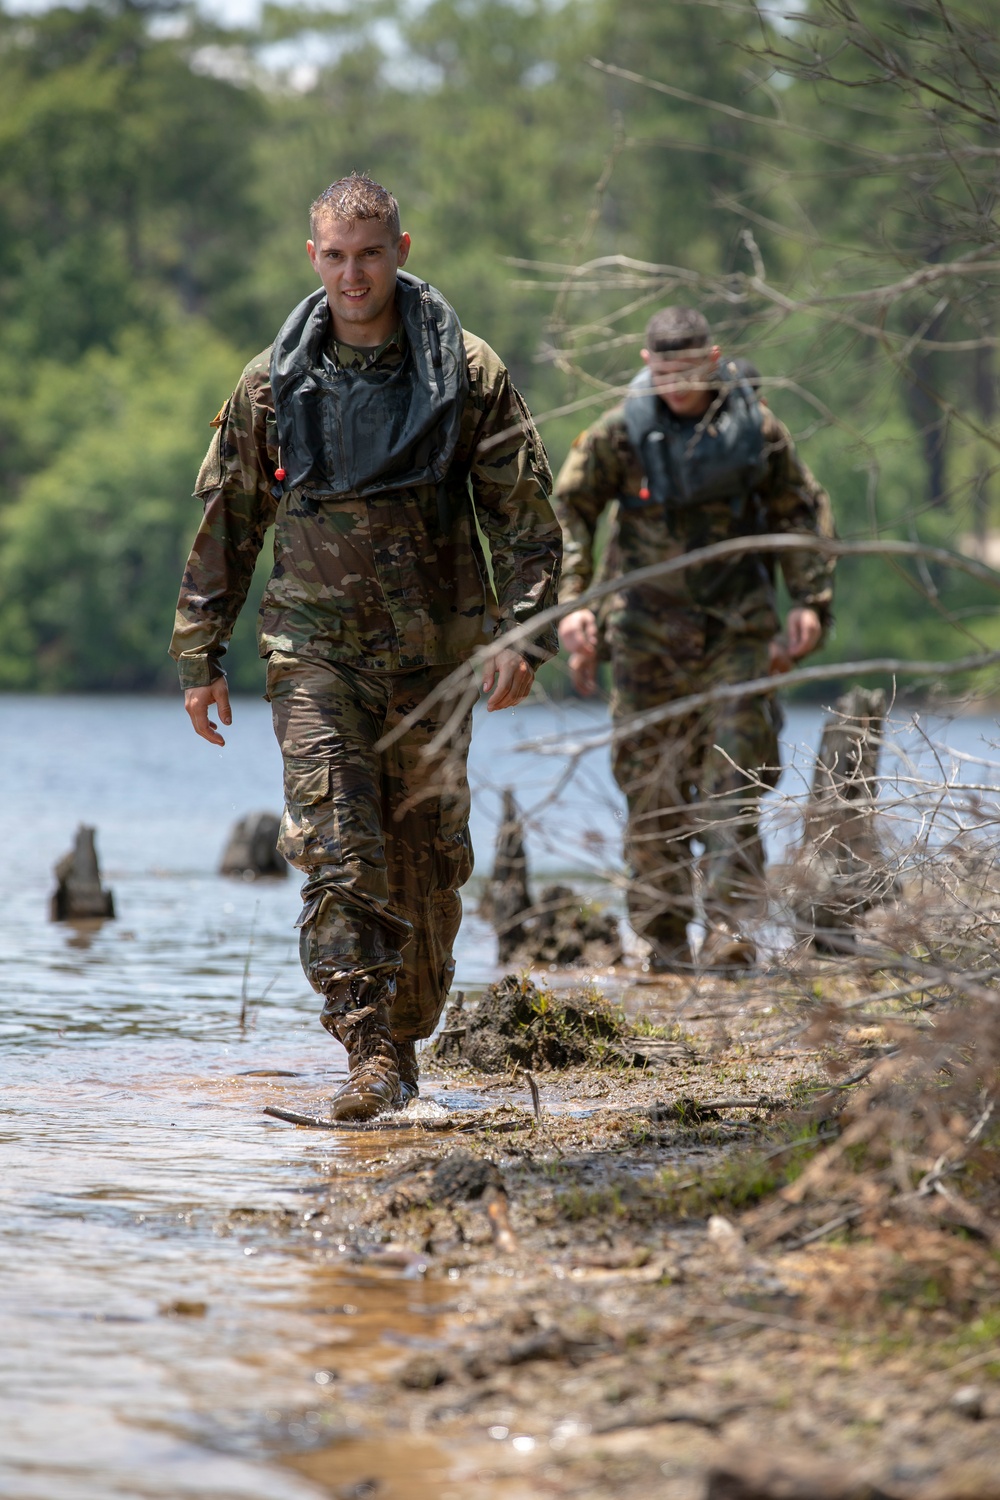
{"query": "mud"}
[(632, 1337), (520, 1024)]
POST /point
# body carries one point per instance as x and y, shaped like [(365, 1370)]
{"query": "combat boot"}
[(357, 1013), (726, 950), (409, 1073)]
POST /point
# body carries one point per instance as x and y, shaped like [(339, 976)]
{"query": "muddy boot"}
[(669, 952), (409, 1073), (726, 950), (674, 960), (357, 1013)]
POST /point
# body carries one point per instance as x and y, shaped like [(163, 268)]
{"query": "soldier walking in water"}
[(689, 458), (373, 435)]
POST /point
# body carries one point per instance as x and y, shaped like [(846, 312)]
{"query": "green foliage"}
[(154, 182), (92, 549)]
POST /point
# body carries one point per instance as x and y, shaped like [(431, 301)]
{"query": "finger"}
[(208, 729), (802, 641), (583, 674), (521, 686), (222, 700), (501, 695), (202, 724), (513, 682)]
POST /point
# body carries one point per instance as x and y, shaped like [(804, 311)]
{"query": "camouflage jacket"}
[(603, 469), (390, 583)]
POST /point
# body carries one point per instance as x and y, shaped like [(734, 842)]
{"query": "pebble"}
[(968, 1402)]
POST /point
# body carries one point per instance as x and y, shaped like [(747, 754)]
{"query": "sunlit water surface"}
[(153, 1339)]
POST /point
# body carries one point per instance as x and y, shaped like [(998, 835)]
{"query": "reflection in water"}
[(81, 931), (162, 1330)]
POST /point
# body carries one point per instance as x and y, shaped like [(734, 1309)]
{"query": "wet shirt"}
[(392, 583), (603, 469)]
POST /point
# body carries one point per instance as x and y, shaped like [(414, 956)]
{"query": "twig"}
[(246, 970), (536, 1098), (991, 1356), (824, 1229), (776, 542), (773, 1320)]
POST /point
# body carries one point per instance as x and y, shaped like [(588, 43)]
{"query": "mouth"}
[(357, 295)]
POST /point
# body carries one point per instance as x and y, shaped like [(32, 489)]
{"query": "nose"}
[(354, 272)]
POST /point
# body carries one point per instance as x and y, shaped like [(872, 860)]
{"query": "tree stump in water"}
[(79, 895), (561, 929), (840, 869), (507, 901), (252, 849)]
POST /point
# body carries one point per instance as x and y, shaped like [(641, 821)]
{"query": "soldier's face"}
[(357, 261), (683, 378)]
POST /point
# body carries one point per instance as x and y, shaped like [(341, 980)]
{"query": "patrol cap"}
[(677, 328)]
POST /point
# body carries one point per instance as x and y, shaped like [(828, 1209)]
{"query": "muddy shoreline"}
[(636, 1335)]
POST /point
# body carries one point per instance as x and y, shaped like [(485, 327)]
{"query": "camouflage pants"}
[(699, 777), (382, 835)]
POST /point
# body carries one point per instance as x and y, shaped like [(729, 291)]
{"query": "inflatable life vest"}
[(345, 433), (720, 459), (694, 468)]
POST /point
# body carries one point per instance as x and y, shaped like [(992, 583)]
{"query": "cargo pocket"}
[(452, 861), (310, 832)]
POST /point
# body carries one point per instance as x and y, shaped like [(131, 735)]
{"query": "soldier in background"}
[(359, 435), (689, 458)]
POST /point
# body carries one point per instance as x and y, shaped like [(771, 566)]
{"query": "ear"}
[(716, 351), (402, 249), (644, 356), (311, 252)]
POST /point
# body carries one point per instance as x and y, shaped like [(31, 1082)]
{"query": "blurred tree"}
[(92, 549)]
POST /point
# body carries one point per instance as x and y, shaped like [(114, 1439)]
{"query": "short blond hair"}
[(356, 197)]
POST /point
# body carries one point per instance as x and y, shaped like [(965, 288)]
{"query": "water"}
[(157, 1337)]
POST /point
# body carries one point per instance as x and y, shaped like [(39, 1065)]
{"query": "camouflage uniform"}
[(700, 777), (371, 603)]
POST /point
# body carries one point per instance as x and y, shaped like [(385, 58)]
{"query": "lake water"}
[(153, 1342)]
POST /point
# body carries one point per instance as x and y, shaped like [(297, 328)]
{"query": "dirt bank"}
[(668, 1280)]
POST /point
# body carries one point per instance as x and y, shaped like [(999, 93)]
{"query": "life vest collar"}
[(347, 433)]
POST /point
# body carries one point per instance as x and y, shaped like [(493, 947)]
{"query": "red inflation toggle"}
[(644, 493), (279, 475)]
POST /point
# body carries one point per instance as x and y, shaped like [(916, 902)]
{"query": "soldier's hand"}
[(804, 630), (578, 634), (507, 678), (198, 701), (778, 657)]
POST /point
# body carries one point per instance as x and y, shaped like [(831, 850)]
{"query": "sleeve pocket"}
[(210, 473)]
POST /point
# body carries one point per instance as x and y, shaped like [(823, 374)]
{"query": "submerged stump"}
[(840, 869), (79, 894), (506, 902), (252, 849), (559, 928)]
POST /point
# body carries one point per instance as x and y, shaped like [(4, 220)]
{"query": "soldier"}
[(689, 458), (359, 435)]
